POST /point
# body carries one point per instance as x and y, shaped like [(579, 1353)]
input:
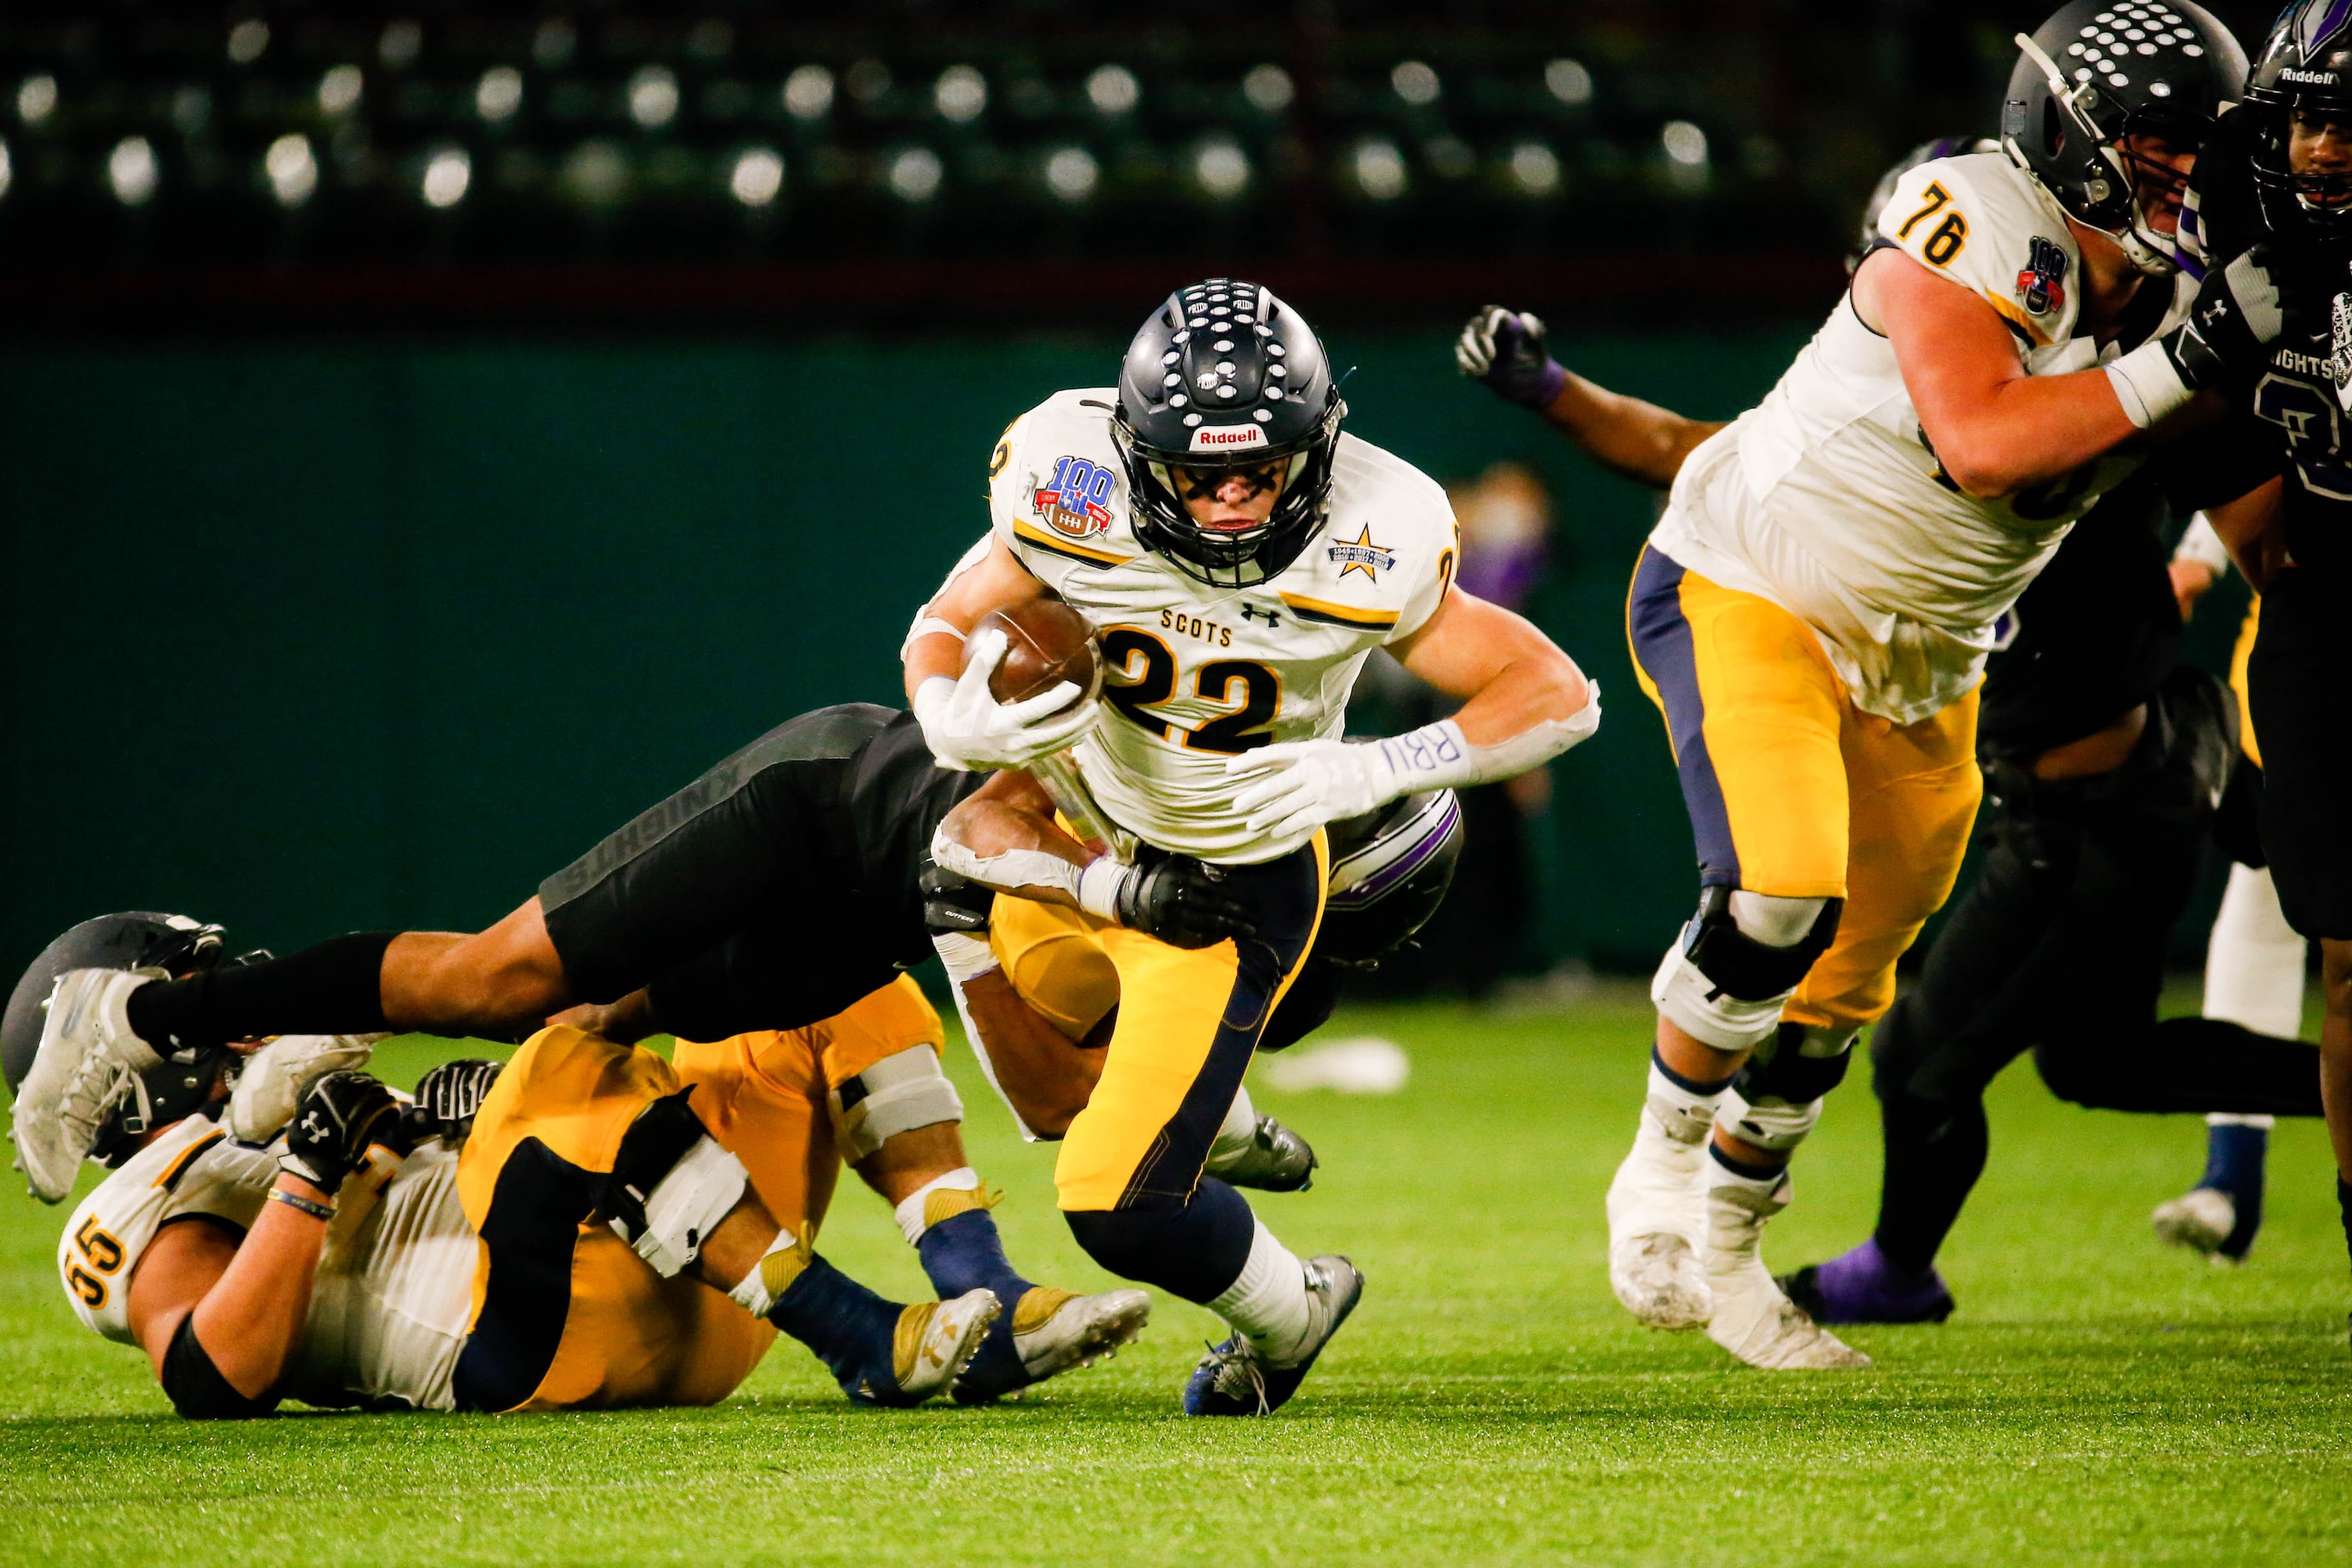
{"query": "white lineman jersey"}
[(1196, 674), (393, 1293), (1828, 500)]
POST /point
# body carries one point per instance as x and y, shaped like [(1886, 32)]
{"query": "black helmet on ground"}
[(1225, 378), (135, 940), (2305, 69), (2101, 71)]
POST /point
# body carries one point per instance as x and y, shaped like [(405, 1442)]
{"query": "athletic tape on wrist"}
[(965, 957), (2148, 384), (1438, 756), (1098, 887), (1007, 869)]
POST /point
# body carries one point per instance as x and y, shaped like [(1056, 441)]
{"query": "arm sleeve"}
[(195, 1387)]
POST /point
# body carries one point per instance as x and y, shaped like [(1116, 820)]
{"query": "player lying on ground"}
[(1813, 610), (777, 890), (588, 1227), (2280, 185), (1239, 556)]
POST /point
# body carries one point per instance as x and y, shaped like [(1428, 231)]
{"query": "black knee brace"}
[(1738, 964), (1787, 1076)]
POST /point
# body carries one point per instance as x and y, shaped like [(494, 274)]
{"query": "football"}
[(1045, 642)]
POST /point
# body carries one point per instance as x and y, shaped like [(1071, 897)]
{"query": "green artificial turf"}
[(2097, 1398)]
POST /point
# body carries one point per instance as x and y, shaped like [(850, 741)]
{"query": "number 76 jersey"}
[(1199, 675)]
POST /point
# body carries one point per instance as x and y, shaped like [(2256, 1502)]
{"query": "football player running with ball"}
[(1239, 557), (1814, 611)]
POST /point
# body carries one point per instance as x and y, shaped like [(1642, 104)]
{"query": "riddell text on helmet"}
[(1212, 437)]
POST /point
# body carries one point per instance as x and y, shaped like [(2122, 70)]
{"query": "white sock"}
[(913, 1214), (2233, 1119), (770, 1278), (1269, 1304), (1238, 1132), (2254, 960), (1720, 1175), (1685, 1113)]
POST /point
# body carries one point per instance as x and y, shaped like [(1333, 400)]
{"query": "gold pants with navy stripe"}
[(1792, 791), (1188, 1022), (566, 1316)]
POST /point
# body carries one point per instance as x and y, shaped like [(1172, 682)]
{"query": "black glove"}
[(2229, 328), (1505, 348), (336, 1119), (1182, 901), (448, 1096), (952, 903)]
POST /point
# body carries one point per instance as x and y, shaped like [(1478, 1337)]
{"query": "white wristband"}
[(2203, 546), (1438, 756), (1098, 887), (2149, 384), (965, 957)]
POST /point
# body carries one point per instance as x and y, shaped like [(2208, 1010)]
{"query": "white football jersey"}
[(1198, 675), (1828, 500), (395, 1282)]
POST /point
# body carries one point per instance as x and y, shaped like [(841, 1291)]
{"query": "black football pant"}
[(2059, 948)]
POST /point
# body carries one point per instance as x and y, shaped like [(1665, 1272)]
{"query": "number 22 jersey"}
[(1198, 675)]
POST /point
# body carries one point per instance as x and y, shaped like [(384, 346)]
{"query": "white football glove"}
[(968, 729), (1302, 784), (271, 1083)]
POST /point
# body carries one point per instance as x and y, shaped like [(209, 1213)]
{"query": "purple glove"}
[(1505, 348)]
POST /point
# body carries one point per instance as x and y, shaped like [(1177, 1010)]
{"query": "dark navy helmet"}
[(1227, 378), (2100, 71), (2305, 69), (1390, 870), (135, 940)]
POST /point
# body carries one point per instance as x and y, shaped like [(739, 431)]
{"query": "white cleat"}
[(936, 1340), (1753, 1320), (2201, 1220), (270, 1083), (1657, 1228), (1056, 1329), (87, 1061)]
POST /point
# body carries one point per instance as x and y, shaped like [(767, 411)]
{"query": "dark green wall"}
[(316, 638)]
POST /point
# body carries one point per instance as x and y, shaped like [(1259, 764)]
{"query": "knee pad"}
[(898, 1094), (671, 1186), (1739, 958)]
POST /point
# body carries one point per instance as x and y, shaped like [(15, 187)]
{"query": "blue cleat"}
[(1864, 1286), (1235, 1379)]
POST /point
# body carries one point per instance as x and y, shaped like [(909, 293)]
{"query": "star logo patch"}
[(1361, 554)]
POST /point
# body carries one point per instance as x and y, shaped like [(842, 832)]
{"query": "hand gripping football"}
[(1045, 642)]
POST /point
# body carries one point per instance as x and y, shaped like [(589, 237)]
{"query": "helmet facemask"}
[(1230, 558)]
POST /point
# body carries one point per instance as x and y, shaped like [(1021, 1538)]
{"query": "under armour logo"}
[(1272, 619)]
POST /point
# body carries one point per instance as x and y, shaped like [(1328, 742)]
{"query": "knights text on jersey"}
[(1827, 498), (395, 1284), (1198, 674)]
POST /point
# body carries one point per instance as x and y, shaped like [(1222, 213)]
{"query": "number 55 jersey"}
[(1828, 500), (1197, 675)]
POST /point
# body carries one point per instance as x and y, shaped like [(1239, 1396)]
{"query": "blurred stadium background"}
[(434, 432)]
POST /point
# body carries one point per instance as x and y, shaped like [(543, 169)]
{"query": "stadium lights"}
[(1071, 173), (292, 169), (960, 94), (1570, 82), (915, 175), (1113, 90), (340, 90), (400, 43), (653, 96), (130, 171), (808, 93), (1685, 143), (757, 177), (449, 171), (1268, 89), (552, 45), (1535, 169), (498, 94), (246, 41), (7, 168), (1378, 169), (36, 98), (1415, 83), (1223, 169)]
